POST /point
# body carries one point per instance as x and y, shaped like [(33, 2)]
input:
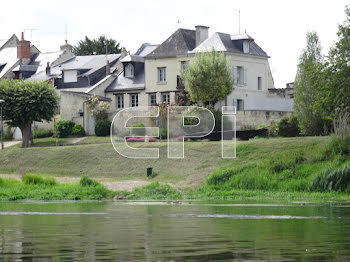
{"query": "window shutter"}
[(235, 75), (245, 76)]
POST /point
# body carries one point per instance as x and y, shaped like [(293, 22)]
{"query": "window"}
[(239, 104), (240, 75), (259, 83), (129, 70), (246, 47), (166, 98), (135, 100), (153, 99), (161, 74), (70, 76), (184, 65), (120, 101)]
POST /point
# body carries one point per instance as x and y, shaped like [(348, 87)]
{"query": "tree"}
[(208, 78), (338, 70), (307, 86), (26, 102), (98, 46)]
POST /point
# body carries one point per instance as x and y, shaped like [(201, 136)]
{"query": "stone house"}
[(251, 71)]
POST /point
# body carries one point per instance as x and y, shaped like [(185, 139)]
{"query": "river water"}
[(174, 231)]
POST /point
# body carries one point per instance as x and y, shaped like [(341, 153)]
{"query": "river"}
[(174, 231)]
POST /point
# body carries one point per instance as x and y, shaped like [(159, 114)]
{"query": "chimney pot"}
[(201, 34), (124, 52), (22, 35), (108, 68), (48, 69)]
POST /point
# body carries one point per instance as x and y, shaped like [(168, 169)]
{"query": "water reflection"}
[(89, 231)]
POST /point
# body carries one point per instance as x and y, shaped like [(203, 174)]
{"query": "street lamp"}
[(2, 124)]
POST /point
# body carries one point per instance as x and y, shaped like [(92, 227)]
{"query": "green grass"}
[(96, 140), (286, 167), (11, 189)]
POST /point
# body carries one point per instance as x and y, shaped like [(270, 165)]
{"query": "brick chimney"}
[(108, 68), (23, 48), (201, 34)]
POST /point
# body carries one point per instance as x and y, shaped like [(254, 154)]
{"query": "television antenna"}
[(31, 32)]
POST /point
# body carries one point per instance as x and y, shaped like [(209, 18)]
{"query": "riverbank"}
[(285, 168)]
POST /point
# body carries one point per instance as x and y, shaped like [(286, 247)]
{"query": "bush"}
[(339, 145), (78, 130), (64, 128), (8, 135), (87, 181), (156, 191), (138, 130), (102, 127), (41, 133), (338, 180), (32, 179), (272, 129), (288, 127)]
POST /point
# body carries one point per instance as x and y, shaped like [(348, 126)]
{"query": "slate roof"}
[(8, 59), (133, 58), (223, 42), (179, 43), (91, 63), (145, 49), (88, 64), (122, 83), (86, 95)]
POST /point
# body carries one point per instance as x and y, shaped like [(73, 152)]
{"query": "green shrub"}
[(78, 130), (339, 145), (33, 179), (288, 127), (87, 181), (41, 133), (64, 128), (138, 130), (337, 180), (156, 191), (103, 127), (8, 135), (272, 129)]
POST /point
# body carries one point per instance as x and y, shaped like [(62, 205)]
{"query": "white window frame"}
[(167, 98), (161, 74), (70, 76), (134, 100), (154, 95), (129, 70), (119, 101), (240, 75), (183, 65)]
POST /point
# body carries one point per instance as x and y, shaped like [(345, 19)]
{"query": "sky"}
[(279, 27)]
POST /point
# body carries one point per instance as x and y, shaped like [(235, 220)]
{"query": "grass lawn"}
[(284, 168), (96, 139), (101, 161)]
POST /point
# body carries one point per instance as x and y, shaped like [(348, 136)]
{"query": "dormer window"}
[(129, 70), (245, 46), (70, 76)]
